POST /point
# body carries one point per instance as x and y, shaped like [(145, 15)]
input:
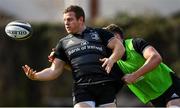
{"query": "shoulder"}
[(101, 30), (104, 32), (90, 29), (98, 30), (139, 44), (66, 37), (61, 41), (138, 39), (104, 35)]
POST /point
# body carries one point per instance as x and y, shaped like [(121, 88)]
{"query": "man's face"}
[(72, 24)]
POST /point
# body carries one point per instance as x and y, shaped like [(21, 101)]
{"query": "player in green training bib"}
[(145, 73)]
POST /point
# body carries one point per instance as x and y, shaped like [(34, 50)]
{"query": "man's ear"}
[(81, 19), (117, 35)]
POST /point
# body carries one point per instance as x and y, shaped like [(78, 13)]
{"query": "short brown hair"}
[(115, 28), (79, 12)]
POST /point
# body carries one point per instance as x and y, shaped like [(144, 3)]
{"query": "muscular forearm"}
[(153, 59), (46, 74), (118, 50), (150, 64)]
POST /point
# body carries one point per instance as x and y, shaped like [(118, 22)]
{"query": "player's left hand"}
[(107, 64)]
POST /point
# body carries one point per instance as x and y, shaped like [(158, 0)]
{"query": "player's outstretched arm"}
[(46, 74)]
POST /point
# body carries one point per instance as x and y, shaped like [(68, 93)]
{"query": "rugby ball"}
[(18, 30)]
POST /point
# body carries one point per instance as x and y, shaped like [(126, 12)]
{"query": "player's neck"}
[(82, 28)]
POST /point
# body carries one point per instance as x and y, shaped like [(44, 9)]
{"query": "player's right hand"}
[(29, 72)]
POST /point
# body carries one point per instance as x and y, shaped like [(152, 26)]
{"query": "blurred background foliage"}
[(17, 90)]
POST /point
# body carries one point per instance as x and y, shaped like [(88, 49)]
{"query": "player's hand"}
[(51, 56), (29, 72), (107, 64), (129, 78)]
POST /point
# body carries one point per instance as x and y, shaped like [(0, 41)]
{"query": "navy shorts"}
[(101, 93), (173, 92)]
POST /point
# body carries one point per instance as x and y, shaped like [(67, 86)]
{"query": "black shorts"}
[(173, 92), (99, 93), (176, 83)]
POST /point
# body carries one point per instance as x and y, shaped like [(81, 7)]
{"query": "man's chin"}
[(69, 32)]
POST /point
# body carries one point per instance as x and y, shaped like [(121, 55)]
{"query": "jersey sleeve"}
[(139, 45), (60, 53), (105, 36)]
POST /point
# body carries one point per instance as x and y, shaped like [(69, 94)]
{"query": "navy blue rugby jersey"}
[(83, 51)]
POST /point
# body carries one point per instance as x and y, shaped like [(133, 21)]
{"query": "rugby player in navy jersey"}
[(86, 50)]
